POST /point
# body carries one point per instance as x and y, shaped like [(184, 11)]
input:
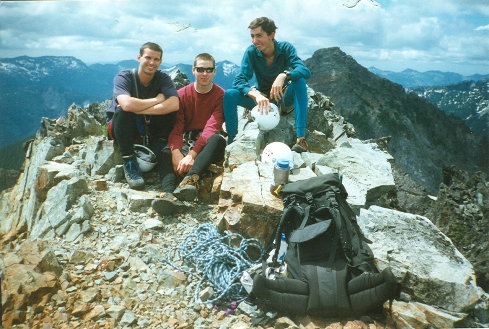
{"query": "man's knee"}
[(217, 142), (122, 121), (121, 115), (230, 94), (231, 100), (220, 142)]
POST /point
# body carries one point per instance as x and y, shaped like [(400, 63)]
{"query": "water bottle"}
[(280, 174), (283, 248)]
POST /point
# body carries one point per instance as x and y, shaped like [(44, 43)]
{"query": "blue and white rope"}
[(213, 259)]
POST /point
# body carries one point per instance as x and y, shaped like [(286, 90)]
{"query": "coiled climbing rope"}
[(213, 259)]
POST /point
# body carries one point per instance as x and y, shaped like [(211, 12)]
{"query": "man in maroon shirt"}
[(195, 141)]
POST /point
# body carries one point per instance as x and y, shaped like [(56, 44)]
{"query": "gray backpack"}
[(330, 267)]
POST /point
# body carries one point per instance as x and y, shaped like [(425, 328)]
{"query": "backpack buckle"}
[(271, 273), (309, 198)]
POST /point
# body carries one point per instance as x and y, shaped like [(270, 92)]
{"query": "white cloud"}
[(397, 33), (482, 28)]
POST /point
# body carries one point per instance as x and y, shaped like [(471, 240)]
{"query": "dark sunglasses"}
[(205, 69)]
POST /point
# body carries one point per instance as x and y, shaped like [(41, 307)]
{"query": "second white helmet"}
[(275, 151)]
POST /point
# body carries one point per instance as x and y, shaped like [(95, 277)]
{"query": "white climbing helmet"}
[(145, 157), (266, 121), (277, 150)]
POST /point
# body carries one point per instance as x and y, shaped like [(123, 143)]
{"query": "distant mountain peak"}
[(410, 78), (38, 68)]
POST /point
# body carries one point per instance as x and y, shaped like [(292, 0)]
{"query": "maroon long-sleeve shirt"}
[(197, 112)]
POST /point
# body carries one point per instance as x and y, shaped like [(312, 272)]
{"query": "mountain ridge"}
[(54, 100), (423, 138), (410, 78)]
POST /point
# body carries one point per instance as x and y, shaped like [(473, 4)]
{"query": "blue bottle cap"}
[(283, 163)]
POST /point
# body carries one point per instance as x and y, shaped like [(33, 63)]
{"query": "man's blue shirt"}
[(124, 85), (253, 61)]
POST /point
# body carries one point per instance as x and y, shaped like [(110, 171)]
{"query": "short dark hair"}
[(151, 45), (267, 24), (205, 57)]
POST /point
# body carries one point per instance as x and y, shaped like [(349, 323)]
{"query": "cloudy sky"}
[(446, 35)]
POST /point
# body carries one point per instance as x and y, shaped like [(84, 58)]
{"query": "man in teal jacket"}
[(275, 65)]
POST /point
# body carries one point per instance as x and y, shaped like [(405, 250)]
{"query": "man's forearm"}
[(253, 94), (136, 105), (176, 153), (168, 106)]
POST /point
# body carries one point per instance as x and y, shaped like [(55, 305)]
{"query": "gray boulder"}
[(430, 268)]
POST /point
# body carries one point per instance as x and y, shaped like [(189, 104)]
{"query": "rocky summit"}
[(81, 250)]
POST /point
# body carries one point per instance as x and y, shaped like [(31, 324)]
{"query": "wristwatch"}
[(287, 73)]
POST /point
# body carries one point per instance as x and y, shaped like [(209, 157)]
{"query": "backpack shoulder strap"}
[(274, 241)]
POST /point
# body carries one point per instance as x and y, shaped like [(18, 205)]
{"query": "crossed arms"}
[(158, 105)]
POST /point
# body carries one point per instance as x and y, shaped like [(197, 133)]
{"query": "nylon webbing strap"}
[(146, 119), (135, 82), (307, 210)]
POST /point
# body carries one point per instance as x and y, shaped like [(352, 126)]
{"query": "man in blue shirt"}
[(274, 63), (145, 102)]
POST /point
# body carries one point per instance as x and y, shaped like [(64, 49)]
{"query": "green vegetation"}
[(12, 156)]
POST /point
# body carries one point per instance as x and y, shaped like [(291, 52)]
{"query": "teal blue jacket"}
[(254, 62)]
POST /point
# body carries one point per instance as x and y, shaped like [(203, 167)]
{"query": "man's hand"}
[(182, 164), (276, 92), (263, 104), (260, 100), (185, 165)]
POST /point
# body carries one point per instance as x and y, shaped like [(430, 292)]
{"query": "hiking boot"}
[(215, 169), (132, 172), (300, 146), (187, 189)]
